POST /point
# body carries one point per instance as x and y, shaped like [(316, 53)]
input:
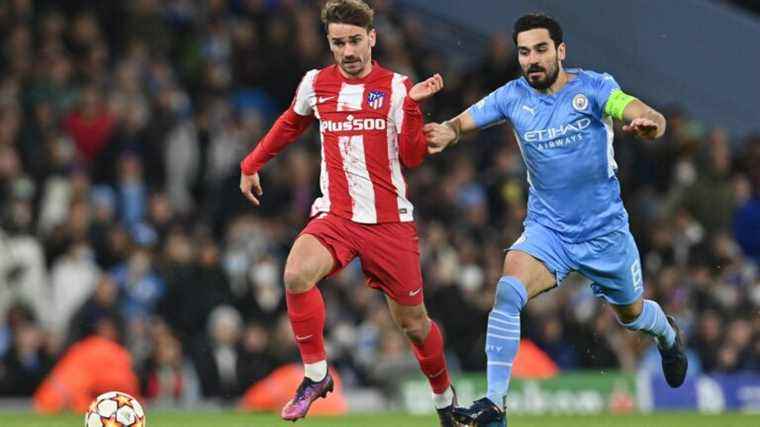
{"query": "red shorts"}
[(389, 253)]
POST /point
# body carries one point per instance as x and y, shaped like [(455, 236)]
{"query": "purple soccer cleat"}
[(307, 393)]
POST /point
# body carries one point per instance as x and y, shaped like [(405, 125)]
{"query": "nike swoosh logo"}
[(415, 292), (303, 338), (321, 100)]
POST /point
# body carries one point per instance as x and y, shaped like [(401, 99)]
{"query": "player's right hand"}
[(438, 137), (250, 185)]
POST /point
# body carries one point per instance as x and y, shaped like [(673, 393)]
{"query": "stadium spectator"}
[(217, 357)]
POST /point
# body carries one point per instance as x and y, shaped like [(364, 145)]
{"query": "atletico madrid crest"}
[(375, 99)]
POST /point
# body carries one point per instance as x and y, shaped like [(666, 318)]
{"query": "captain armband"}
[(616, 103)]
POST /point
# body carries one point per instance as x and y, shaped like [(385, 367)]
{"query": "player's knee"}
[(414, 327), (296, 279), (628, 317), (509, 295), (629, 313)]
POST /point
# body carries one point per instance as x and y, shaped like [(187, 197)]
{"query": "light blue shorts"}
[(611, 261)]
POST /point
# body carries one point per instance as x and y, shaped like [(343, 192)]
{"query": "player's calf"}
[(654, 322), (503, 335), (416, 326), (430, 355)]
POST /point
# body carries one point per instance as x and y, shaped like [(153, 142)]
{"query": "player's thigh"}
[(309, 261), (613, 265), (530, 271), (390, 258), (538, 259)]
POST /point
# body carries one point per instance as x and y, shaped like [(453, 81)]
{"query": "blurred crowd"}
[(121, 128)]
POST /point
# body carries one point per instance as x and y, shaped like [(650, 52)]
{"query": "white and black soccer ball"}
[(115, 409)]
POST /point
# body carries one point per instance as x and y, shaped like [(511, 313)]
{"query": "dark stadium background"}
[(122, 125)]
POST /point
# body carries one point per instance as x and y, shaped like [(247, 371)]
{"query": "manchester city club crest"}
[(375, 99), (580, 102)]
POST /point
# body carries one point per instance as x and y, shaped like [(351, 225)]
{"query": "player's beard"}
[(550, 76)]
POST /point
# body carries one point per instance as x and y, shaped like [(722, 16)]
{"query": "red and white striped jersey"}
[(369, 128)]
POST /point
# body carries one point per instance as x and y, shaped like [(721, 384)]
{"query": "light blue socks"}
[(652, 321), (503, 336)]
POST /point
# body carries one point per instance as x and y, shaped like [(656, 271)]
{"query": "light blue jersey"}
[(576, 220), (566, 142)]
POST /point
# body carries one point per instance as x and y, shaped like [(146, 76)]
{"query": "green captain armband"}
[(616, 104)]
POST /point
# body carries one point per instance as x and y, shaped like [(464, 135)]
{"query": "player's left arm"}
[(643, 121), (411, 139), (639, 118)]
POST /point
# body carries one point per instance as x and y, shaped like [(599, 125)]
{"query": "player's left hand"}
[(427, 88), (643, 128)]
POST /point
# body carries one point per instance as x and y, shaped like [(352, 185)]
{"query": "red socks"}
[(306, 312), (432, 361)]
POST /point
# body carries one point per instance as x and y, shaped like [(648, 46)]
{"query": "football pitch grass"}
[(222, 419)]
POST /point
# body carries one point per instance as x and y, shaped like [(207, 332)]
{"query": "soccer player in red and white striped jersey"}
[(370, 129)]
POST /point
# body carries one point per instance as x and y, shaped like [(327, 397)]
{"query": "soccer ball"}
[(115, 409)]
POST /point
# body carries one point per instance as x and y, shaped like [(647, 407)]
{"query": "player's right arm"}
[(487, 112), (286, 129), (441, 135)]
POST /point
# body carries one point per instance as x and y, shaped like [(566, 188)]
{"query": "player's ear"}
[(372, 37), (561, 51)]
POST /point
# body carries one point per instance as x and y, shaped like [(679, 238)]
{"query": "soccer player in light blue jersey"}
[(576, 220)]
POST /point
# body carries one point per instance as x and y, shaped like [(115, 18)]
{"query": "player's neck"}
[(562, 79), (365, 72)]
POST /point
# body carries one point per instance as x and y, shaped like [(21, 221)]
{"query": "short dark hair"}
[(351, 12), (538, 20)]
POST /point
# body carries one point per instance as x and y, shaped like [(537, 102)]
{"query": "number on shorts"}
[(636, 275)]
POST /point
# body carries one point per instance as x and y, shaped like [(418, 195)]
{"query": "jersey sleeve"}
[(408, 120), (492, 109), (286, 129), (304, 98), (604, 86)]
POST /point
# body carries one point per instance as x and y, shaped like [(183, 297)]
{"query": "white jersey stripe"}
[(359, 182), (350, 97), (611, 163), (322, 204), (396, 116), (398, 95), (305, 96), (522, 154), (351, 148)]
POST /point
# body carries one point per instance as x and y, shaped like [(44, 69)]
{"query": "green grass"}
[(220, 419)]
